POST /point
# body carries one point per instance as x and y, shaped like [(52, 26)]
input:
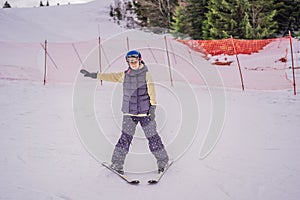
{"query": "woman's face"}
[(134, 64)]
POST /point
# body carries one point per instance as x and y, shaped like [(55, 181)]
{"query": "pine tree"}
[(156, 13), (247, 28), (181, 26), (129, 15), (288, 16), (123, 12), (118, 12), (247, 19), (6, 5), (196, 10), (261, 15), (141, 13), (189, 18), (224, 18), (111, 11)]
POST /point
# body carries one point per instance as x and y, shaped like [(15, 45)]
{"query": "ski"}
[(132, 182), (160, 175)]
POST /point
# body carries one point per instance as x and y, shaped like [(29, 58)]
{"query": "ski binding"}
[(160, 175), (132, 182)]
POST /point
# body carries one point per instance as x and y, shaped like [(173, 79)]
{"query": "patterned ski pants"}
[(128, 130)]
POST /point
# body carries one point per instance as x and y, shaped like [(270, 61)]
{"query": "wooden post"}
[(173, 53), (100, 58), (169, 64), (48, 55), (45, 63), (238, 62), (293, 66), (127, 40), (188, 49)]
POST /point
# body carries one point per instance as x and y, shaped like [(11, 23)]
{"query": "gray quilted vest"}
[(136, 99)]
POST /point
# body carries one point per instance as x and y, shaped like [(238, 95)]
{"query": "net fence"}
[(263, 64)]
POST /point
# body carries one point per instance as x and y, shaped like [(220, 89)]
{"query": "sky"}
[(33, 3)]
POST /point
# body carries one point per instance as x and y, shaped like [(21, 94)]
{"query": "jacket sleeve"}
[(112, 77), (151, 89)]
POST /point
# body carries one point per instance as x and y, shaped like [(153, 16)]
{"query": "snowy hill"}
[(57, 23), (47, 152)]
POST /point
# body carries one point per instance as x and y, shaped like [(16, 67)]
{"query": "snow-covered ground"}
[(45, 153), (36, 3), (57, 23)]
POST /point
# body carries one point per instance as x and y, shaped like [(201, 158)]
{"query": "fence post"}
[(45, 63), (238, 62), (127, 41), (47, 55), (171, 79), (100, 58), (293, 66), (188, 49), (173, 53)]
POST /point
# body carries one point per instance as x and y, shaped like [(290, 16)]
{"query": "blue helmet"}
[(133, 54)]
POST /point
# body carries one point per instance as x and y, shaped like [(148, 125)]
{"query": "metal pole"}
[(46, 51), (100, 58), (293, 66), (45, 64), (127, 40), (238, 62), (173, 53), (171, 79), (188, 49)]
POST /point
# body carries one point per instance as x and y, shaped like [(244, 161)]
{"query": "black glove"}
[(152, 112), (88, 74)]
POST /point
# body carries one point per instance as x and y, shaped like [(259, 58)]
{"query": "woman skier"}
[(138, 106)]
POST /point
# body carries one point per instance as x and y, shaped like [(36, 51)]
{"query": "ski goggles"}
[(132, 58)]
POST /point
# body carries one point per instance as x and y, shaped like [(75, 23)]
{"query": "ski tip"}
[(152, 182), (134, 182)]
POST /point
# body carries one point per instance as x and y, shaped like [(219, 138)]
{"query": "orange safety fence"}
[(265, 64), (224, 46)]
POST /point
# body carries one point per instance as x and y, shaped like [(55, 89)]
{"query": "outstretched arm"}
[(112, 77)]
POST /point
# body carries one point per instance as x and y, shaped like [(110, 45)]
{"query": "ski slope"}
[(45, 155)]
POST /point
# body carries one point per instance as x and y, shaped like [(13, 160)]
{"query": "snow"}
[(36, 3), (57, 23), (47, 152)]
